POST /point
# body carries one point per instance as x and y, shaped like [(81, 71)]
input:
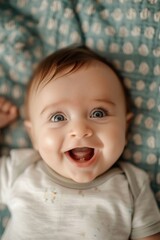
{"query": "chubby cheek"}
[(48, 143), (115, 140)]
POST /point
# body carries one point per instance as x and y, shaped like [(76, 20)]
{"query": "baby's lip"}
[(81, 154), (82, 157)]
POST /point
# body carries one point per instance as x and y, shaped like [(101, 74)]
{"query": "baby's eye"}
[(58, 117), (98, 113)]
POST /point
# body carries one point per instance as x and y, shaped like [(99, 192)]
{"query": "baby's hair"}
[(64, 61)]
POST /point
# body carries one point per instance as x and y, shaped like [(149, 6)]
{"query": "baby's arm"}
[(8, 112)]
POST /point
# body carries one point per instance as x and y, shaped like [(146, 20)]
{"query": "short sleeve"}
[(146, 217), (12, 167)]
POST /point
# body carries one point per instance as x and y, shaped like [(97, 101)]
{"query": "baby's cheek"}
[(47, 141), (48, 149), (115, 140)]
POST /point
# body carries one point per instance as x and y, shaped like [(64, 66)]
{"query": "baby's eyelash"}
[(57, 117), (99, 113)]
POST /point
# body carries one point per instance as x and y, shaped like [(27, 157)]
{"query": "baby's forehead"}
[(72, 71)]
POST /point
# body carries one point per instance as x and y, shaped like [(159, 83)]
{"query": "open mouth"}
[(81, 155)]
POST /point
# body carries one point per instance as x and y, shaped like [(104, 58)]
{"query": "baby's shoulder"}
[(129, 168), (17, 162), (19, 156), (136, 177)]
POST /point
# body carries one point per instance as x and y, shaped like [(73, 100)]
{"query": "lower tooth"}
[(82, 160)]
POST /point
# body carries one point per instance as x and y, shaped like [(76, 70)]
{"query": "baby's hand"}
[(8, 112)]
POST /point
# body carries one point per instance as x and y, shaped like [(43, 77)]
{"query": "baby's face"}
[(79, 122)]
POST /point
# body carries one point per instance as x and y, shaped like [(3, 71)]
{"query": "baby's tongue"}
[(82, 153)]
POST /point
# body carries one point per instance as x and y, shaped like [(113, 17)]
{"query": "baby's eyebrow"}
[(47, 108), (99, 100), (106, 101)]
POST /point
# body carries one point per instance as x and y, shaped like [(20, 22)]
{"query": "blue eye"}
[(98, 113), (58, 118)]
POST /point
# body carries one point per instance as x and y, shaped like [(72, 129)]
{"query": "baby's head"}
[(77, 113)]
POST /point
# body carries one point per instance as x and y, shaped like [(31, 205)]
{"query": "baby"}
[(75, 186)]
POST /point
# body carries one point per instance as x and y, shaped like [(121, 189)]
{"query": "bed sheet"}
[(126, 32)]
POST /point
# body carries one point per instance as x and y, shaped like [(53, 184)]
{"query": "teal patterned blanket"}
[(126, 32)]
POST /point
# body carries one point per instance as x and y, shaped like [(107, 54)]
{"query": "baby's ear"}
[(29, 129), (129, 118)]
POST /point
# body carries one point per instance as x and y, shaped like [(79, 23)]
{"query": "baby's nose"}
[(81, 129)]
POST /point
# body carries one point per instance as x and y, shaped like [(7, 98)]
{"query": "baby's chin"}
[(83, 178)]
